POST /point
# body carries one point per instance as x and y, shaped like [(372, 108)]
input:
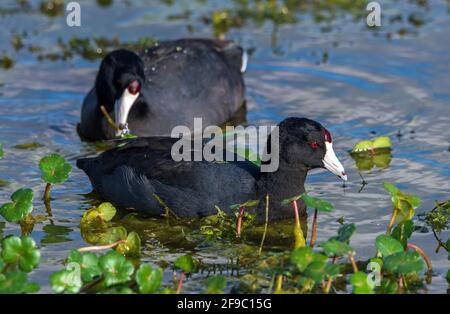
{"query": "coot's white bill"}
[(122, 108), (332, 163)]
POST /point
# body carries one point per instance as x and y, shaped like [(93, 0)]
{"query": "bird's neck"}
[(286, 182)]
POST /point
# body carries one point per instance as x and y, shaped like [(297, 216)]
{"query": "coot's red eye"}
[(313, 145), (327, 136), (134, 87)]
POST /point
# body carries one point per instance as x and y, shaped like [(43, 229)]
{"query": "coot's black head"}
[(119, 83), (307, 144)]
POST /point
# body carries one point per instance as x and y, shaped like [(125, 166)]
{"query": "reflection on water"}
[(309, 58)]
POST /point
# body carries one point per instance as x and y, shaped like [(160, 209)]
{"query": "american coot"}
[(142, 173), (165, 85)]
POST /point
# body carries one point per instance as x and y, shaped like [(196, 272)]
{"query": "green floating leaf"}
[(216, 285), (127, 136), (132, 246), (54, 169), (371, 145), (304, 256), (387, 245), (403, 263), (251, 203), (149, 279), (118, 290), (116, 268), (3, 183), (317, 203), (333, 270), (403, 232), (361, 283), (289, 201), (186, 263), (67, 280), (97, 216), (16, 282), (104, 236), (316, 270), (366, 161), (392, 189), (21, 252), (345, 233), (388, 286), (31, 145), (88, 264), (336, 248), (2, 153), (21, 205), (403, 203)]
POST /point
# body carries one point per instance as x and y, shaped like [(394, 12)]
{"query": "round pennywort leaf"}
[(54, 169), (21, 205), (21, 251), (116, 268), (148, 278)]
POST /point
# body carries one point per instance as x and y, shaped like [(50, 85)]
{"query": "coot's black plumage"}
[(130, 176), (165, 85)]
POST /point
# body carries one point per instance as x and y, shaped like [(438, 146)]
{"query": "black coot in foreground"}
[(166, 85), (142, 172)]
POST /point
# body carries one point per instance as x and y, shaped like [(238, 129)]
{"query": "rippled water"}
[(356, 81)]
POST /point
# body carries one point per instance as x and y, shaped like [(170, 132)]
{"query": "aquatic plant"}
[(54, 170), (18, 257), (372, 153)]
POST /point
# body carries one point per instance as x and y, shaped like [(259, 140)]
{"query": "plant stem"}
[(265, 225), (92, 284), (392, 221), (239, 221), (100, 247), (352, 260), (278, 284), (180, 282), (400, 283), (298, 233), (48, 188), (297, 216), (108, 118), (423, 254), (328, 286), (314, 229)]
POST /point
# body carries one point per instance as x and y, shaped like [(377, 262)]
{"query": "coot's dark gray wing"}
[(131, 176)]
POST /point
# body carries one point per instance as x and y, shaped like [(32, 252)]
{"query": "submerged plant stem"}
[(239, 221), (298, 233), (265, 226), (328, 286), (278, 284), (423, 254), (100, 247), (48, 188), (314, 229), (48, 208), (180, 283), (352, 260), (108, 118)]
